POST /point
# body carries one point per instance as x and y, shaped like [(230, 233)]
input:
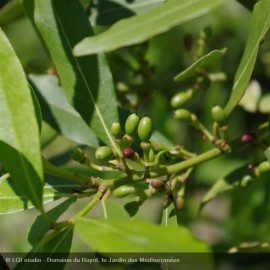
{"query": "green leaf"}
[(58, 113), (113, 210), (109, 12), (134, 236), (159, 141), (10, 11), (19, 133), (37, 109), (87, 81), (169, 215), (12, 201), (144, 26), (231, 181), (40, 226), (259, 25), (55, 246), (207, 60)]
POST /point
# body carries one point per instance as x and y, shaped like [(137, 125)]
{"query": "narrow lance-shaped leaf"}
[(134, 236), (169, 215), (109, 12), (11, 200), (113, 210), (207, 60), (19, 132), (231, 181), (40, 226), (55, 246), (58, 113), (87, 81), (259, 25), (144, 26)]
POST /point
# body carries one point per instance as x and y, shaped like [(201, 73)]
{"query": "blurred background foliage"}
[(147, 70)]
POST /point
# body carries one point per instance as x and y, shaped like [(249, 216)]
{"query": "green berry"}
[(131, 124), (179, 202), (104, 153), (163, 157), (264, 167), (123, 191), (182, 114), (145, 129), (116, 129), (181, 98), (218, 114), (246, 180), (77, 154)]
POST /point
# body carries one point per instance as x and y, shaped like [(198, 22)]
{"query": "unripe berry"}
[(104, 153), (245, 180), (145, 129), (131, 124), (264, 167), (218, 114), (179, 202), (163, 157), (181, 98), (77, 154), (182, 114), (116, 129), (128, 153), (123, 191)]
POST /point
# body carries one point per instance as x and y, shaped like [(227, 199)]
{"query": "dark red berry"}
[(128, 153), (247, 137)]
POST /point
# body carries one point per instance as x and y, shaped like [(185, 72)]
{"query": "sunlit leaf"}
[(54, 246), (19, 133), (109, 12), (231, 181), (207, 60), (41, 226), (259, 25), (134, 236), (87, 81), (113, 210), (144, 26), (169, 215)]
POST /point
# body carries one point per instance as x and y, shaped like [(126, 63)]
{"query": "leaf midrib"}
[(86, 84)]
